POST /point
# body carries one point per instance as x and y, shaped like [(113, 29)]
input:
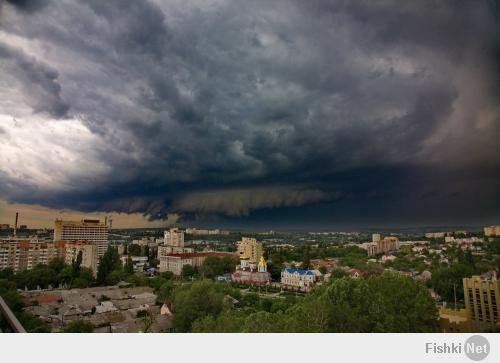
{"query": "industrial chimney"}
[(15, 224)]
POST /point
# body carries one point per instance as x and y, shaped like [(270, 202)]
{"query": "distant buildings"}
[(173, 255), (205, 232), (435, 235), (379, 245), (492, 231), (249, 271), (4, 226), (469, 240), (91, 230)]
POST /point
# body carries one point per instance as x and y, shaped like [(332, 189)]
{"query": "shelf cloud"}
[(333, 111)]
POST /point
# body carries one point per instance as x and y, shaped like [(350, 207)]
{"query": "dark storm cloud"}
[(38, 81), (28, 5), (231, 107)]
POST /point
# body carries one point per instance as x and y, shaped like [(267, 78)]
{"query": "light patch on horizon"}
[(36, 216)]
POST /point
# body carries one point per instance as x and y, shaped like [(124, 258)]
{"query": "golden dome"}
[(262, 262)]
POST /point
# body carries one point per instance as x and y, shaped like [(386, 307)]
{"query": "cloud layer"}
[(231, 107)]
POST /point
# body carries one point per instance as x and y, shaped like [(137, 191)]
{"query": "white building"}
[(91, 230), (299, 279), (138, 262), (174, 238)]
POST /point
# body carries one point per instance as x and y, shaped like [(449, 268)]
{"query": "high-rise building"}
[(250, 248), (387, 244), (173, 244), (174, 238), (24, 254), (375, 237), (91, 230), (482, 298), (492, 231)]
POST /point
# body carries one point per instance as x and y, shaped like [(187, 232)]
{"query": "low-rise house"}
[(387, 258), (138, 262), (328, 263), (355, 273)]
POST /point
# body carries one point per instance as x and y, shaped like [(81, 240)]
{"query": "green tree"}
[(198, 300), (189, 271), (57, 264), (76, 264), (165, 293), (129, 267), (134, 250), (211, 267), (65, 276), (79, 326), (108, 263)]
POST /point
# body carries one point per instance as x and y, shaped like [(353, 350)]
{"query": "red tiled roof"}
[(43, 298)]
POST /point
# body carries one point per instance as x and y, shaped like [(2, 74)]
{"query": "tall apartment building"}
[(380, 245), (387, 244), (492, 231), (174, 237), (482, 298), (173, 244), (24, 254), (91, 230), (250, 248)]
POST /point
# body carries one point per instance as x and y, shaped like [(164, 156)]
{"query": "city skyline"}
[(230, 113)]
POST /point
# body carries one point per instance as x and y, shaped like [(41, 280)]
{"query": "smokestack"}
[(15, 225)]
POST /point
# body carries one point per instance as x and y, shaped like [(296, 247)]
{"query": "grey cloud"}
[(39, 81), (257, 96)]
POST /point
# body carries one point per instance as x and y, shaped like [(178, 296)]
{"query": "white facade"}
[(86, 230), (174, 238)]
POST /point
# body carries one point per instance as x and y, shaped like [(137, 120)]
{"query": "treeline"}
[(352, 256), (385, 303)]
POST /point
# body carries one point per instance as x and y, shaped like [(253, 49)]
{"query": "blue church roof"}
[(299, 271)]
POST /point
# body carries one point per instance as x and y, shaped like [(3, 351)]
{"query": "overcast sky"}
[(253, 113)]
